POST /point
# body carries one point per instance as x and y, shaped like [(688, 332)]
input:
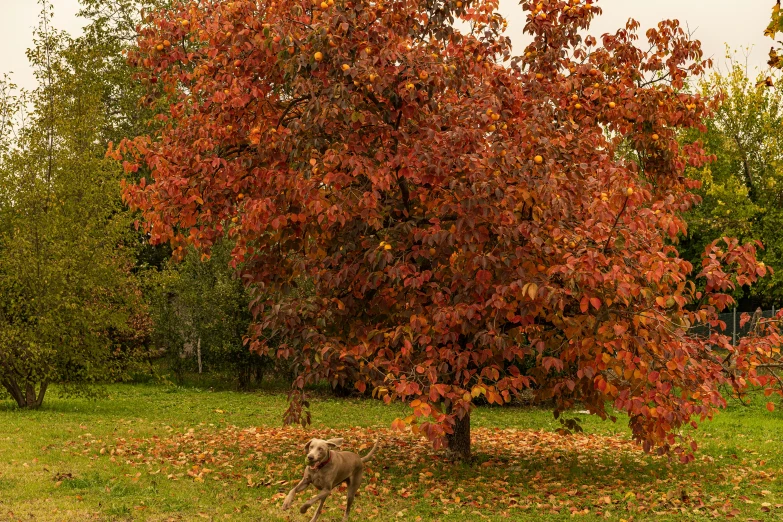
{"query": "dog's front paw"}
[(286, 503), (304, 508)]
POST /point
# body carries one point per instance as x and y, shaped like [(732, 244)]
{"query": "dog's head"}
[(318, 449)]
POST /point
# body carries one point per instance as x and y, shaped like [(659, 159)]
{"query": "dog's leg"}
[(353, 486), (320, 497), (299, 487), (318, 510)]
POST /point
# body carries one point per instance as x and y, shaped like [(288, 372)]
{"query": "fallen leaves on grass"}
[(514, 470)]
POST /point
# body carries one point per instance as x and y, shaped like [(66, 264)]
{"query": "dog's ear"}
[(307, 447), (334, 443)]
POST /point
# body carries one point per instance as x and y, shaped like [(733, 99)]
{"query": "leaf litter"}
[(513, 471)]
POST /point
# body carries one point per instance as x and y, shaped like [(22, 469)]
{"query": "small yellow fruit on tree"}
[(318, 56), (346, 67), (538, 159)]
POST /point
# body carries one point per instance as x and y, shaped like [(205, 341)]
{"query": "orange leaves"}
[(770, 406), (432, 234), (587, 301), (530, 290), (399, 425)]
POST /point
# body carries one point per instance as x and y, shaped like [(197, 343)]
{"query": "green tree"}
[(201, 314), (67, 296), (742, 191), (110, 33)]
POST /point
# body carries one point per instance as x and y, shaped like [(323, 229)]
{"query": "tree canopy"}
[(470, 223)]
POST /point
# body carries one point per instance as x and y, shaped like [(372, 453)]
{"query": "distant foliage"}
[(742, 190), (200, 313)]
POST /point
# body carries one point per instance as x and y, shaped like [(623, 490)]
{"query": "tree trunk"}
[(459, 441), (30, 396), (41, 393), (14, 391), (26, 397), (198, 352)]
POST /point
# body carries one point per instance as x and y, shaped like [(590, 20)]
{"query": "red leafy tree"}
[(425, 216)]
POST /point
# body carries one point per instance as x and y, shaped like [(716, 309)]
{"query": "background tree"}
[(459, 219), (742, 190), (201, 314), (67, 299)]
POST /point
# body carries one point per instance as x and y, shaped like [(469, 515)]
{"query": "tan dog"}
[(326, 470)]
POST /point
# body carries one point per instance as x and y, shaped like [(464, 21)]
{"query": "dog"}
[(326, 470)]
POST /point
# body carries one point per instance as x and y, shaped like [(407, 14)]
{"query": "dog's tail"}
[(372, 452)]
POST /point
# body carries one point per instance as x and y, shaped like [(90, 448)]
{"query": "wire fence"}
[(733, 328)]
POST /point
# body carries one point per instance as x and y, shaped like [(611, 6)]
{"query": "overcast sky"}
[(716, 22)]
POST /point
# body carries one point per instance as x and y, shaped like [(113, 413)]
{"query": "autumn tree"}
[(461, 213), (69, 311), (742, 190)]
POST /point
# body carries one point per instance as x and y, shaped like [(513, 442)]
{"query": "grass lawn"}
[(149, 452)]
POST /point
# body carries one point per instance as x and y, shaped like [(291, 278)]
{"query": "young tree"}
[(66, 295), (460, 213), (742, 190)]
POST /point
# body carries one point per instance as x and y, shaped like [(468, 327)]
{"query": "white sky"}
[(738, 23)]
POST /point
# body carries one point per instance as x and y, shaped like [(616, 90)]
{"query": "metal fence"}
[(732, 320)]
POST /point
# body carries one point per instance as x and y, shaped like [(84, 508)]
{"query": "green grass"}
[(131, 455)]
